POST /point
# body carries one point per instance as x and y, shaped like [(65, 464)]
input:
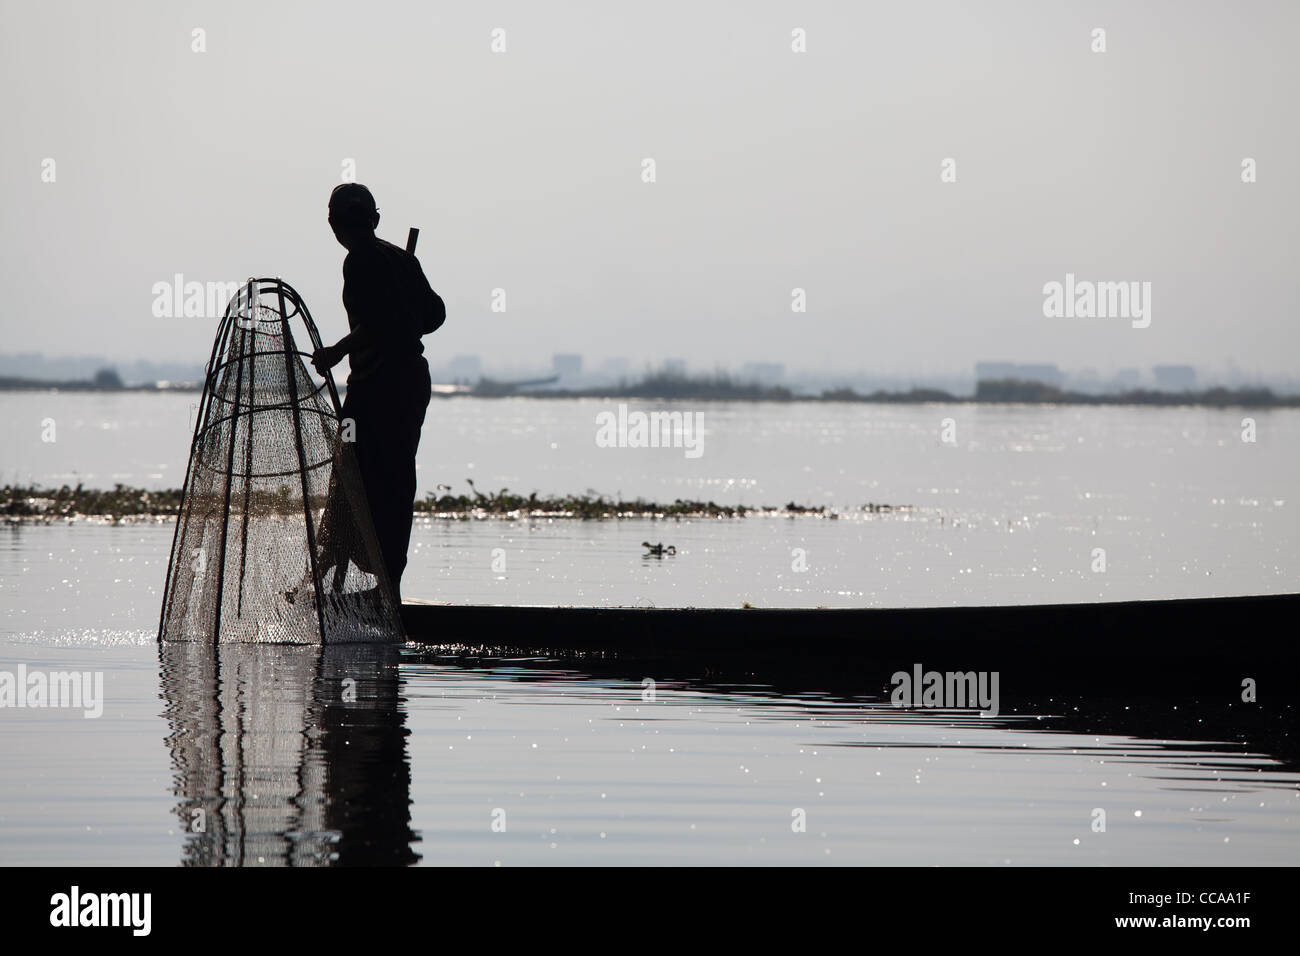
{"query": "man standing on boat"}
[(390, 305)]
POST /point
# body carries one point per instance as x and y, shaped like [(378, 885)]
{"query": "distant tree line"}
[(722, 387)]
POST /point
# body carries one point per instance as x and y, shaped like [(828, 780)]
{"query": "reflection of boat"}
[(1176, 647), (288, 755)]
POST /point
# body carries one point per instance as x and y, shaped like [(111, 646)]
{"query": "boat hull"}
[(1177, 669), (1205, 645)]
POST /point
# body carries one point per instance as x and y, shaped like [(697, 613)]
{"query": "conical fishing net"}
[(274, 542)]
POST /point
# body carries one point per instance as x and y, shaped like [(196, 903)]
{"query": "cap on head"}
[(351, 204)]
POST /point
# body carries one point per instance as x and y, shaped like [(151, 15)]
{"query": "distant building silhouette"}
[(675, 367), (567, 365), (765, 373), (1085, 380), (997, 371), (1174, 378)]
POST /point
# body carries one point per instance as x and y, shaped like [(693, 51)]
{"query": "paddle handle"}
[(412, 238)]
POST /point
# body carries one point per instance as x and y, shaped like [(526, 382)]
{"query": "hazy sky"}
[(774, 170)]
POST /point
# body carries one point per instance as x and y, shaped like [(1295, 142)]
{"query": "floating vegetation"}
[(589, 505), (31, 503), (17, 501)]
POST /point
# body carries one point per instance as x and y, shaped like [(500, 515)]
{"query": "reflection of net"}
[(288, 756), (274, 541)]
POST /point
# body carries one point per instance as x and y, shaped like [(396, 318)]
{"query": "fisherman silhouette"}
[(390, 305)]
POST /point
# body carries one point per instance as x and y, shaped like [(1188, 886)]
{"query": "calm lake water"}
[(1011, 511), (518, 762)]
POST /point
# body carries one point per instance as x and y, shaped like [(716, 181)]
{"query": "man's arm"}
[(326, 357), (356, 298)]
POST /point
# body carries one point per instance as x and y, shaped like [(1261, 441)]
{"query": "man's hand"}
[(326, 357)]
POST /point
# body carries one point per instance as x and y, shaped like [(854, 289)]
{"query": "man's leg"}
[(388, 419), (409, 408)]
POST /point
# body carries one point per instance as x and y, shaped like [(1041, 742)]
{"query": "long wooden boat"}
[(1199, 669), (1202, 645)]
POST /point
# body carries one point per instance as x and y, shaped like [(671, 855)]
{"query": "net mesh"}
[(274, 542)]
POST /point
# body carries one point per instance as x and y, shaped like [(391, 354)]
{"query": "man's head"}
[(353, 215)]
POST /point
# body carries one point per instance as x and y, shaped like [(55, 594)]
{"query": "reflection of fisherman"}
[(390, 305)]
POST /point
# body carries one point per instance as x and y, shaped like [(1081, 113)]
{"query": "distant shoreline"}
[(721, 389), (987, 392)]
